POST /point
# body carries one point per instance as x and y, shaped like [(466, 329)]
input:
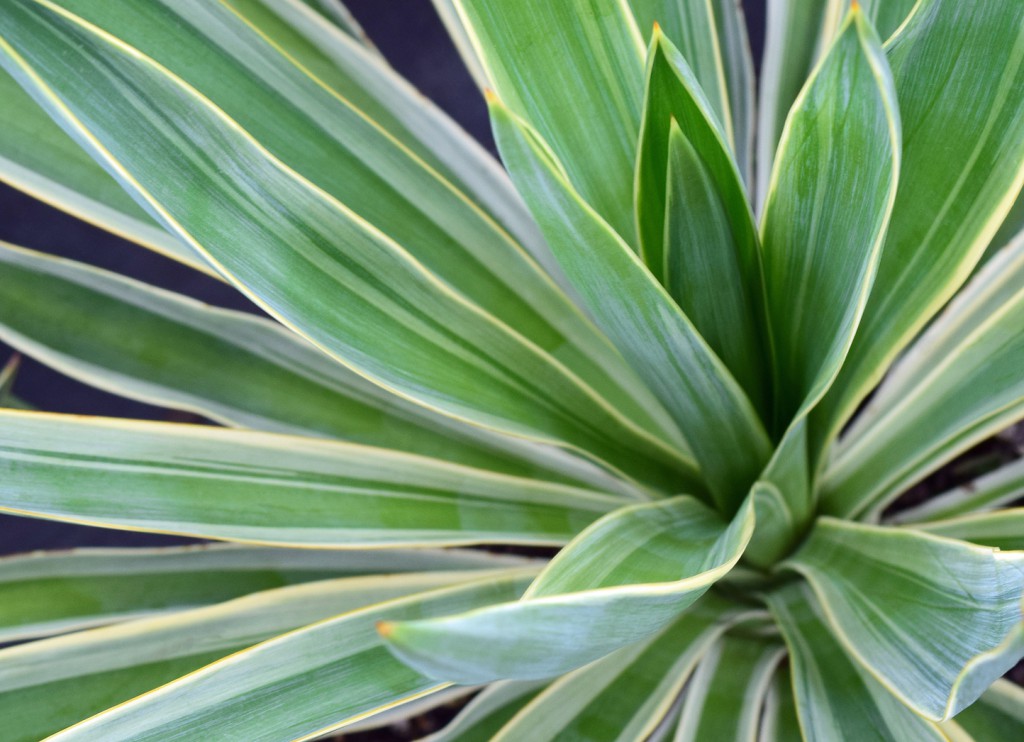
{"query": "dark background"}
[(413, 39)]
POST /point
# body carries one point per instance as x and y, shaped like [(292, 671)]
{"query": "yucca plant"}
[(614, 357)]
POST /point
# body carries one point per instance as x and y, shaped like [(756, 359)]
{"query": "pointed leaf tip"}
[(385, 628), (490, 96)]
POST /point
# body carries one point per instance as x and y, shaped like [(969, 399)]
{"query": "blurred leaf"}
[(488, 711), (1000, 529), (727, 691)]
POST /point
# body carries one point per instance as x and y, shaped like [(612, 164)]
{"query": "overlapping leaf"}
[(626, 695), (697, 234), (539, 56), (728, 689), (400, 325), (826, 212), (137, 341), (994, 490), (37, 157), (50, 593), (624, 578), (301, 684), (716, 418), (257, 487), (898, 601), (998, 714), (960, 384), (959, 78), (835, 696)]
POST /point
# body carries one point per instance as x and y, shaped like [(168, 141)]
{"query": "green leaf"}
[(1000, 529), (727, 691), (320, 677), (91, 671), (794, 42), (55, 592), (37, 157), (779, 722), (626, 695), (738, 61), (371, 304), (998, 714), (449, 14), (336, 13), (693, 29), (959, 384), (826, 211), (697, 233), (898, 601), (270, 489), (488, 712), (957, 69), (833, 694), (363, 79), (988, 293), (994, 490), (140, 342), (624, 578), (887, 15), (716, 418), (539, 56)]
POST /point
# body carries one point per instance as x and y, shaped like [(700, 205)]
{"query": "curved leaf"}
[(539, 56), (271, 489), (714, 415), (826, 212), (321, 677), (621, 580), (998, 714), (833, 694), (372, 304), (899, 599), (949, 207)]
